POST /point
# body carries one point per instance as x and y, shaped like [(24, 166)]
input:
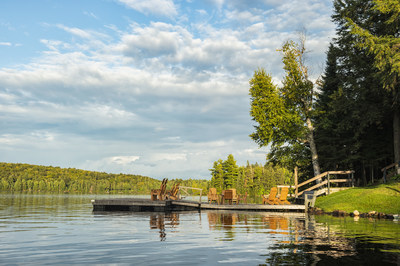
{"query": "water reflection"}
[(162, 220), (62, 229)]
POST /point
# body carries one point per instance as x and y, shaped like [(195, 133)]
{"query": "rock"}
[(356, 213), (371, 213), (339, 213), (389, 216)]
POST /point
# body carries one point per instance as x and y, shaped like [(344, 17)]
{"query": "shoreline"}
[(340, 213)]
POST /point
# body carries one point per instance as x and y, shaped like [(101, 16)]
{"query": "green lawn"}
[(381, 198)]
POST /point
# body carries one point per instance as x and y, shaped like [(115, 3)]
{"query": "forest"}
[(349, 119), (34, 178), (253, 179)]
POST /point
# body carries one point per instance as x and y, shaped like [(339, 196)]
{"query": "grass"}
[(381, 198)]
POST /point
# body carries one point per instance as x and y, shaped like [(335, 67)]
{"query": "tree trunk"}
[(396, 138), (313, 147)]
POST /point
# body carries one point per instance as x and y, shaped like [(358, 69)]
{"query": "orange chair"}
[(212, 195), (159, 194), (271, 199), (230, 195), (283, 197), (173, 193)]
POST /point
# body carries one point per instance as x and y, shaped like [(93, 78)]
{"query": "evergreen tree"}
[(352, 124), (230, 172), (385, 47)]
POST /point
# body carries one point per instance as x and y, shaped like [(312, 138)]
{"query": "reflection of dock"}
[(139, 205)]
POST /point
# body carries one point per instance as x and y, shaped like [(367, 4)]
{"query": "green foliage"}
[(283, 114), (255, 179), (385, 46), (381, 198), (354, 114), (25, 177)]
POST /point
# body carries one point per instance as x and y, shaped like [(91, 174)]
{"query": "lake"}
[(63, 229)]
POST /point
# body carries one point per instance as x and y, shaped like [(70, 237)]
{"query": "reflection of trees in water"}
[(164, 220), (313, 243), (226, 221), (303, 241)]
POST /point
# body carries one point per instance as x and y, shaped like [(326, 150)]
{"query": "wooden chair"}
[(230, 196), (212, 195), (283, 197), (271, 199), (159, 194), (173, 193)]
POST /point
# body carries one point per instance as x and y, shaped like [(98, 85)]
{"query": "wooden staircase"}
[(324, 183)]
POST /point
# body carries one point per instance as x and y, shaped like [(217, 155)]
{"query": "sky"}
[(158, 88)]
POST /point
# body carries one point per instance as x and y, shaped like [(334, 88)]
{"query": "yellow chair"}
[(283, 197), (271, 199), (212, 195)]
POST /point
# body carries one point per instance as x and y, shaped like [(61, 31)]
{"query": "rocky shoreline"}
[(340, 213)]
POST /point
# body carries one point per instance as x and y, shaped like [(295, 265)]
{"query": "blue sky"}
[(156, 88)]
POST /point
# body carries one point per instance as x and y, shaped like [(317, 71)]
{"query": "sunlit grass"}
[(381, 198)]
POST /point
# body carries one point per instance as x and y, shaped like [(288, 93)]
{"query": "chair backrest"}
[(284, 193), (163, 186), (175, 189), (212, 191), (273, 193), (228, 194)]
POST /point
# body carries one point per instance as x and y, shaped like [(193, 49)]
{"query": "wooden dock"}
[(142, 205)]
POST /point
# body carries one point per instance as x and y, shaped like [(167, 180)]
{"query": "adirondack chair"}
[(159, 194), (230, 196), (212, 195), (271, 199), (173, 193), (283, 197)]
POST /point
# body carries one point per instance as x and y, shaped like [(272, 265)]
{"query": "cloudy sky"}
[(157, 87)]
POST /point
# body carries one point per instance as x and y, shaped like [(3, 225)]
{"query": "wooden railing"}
[(327, 181), (385, 170), (185, 190)]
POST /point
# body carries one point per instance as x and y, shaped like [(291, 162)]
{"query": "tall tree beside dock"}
[(284, 114), (385, 47), (354, 112)]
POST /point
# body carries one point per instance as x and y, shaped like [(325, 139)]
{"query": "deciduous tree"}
[(284, 114)]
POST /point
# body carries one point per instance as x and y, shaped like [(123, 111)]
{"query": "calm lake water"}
[(62, 229)]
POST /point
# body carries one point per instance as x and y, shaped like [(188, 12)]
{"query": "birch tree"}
[(283, 114)]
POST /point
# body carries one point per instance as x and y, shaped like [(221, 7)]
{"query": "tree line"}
[(348, 119), (35, 178), (253, 179)]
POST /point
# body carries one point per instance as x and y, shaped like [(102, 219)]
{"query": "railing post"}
[(295, 183), (329, 185), (384, 176)]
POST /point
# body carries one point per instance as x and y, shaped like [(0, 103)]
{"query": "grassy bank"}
[(381, 198)]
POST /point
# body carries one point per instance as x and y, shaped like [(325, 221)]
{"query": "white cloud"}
[(124, 159), (158, 7), (158, 99), (5, 44)]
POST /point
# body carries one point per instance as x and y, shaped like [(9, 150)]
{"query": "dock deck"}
[(139, 205)]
